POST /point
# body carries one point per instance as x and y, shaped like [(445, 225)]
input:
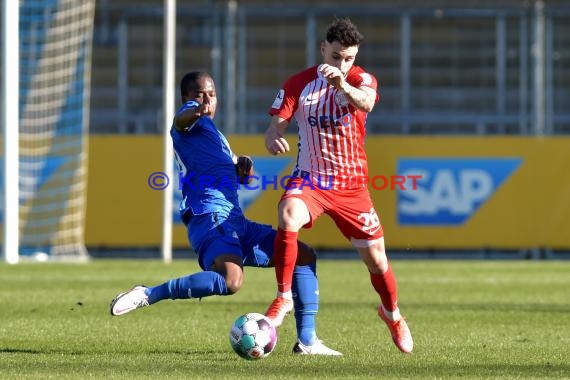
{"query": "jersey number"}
[(370, 221)]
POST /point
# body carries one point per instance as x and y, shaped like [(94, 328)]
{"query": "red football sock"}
[(284, 257), (385, 286)]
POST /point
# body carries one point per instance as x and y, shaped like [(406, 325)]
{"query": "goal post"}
[(169, 70), (10, 113), (55, 44)]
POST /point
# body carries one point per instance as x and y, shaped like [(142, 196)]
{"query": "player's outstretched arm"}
[(187, 116), (275, 143)]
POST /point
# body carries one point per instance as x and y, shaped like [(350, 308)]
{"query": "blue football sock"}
[(197, 285), (306, 297)]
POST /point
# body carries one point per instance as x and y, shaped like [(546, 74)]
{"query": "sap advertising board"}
[(450, 190)]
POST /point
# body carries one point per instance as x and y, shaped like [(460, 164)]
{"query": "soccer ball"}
[(252, 336)]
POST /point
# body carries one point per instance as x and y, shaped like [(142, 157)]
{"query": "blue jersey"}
[(206, 169)]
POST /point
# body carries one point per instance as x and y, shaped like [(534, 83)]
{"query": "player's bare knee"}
[(234, 285), (292, 215), (234, 281), (375, 268), (374, 257), (378, 264), (289, 221)]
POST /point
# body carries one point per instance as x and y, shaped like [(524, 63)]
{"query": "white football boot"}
[(126, 302), (317, 348)]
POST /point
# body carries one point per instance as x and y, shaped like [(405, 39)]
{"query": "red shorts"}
[(351, 209)]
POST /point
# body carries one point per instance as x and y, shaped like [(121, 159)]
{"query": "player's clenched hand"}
[(333, 75), (203, 109), (185, 118), (244, 169), (276, 144)]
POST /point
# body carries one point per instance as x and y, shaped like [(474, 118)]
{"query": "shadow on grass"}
[(197, 354), (8, 350), (218, 364), (483, 307), (493, 307)]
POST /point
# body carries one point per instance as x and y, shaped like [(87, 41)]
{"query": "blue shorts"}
[(215, 234)]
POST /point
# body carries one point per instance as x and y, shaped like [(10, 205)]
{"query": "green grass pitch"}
[(470, 320)]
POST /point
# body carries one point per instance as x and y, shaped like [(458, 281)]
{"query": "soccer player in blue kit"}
[(224, 239)]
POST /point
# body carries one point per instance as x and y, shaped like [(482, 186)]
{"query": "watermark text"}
[(192, 181)]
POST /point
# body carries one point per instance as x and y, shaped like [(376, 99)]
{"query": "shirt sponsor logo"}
[(328, 121)]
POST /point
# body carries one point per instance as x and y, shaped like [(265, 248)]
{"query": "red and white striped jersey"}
[(331, 130)]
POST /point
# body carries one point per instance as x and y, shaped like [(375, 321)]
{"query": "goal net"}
[(55, 67)]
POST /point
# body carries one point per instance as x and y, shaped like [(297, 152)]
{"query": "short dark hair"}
[(345, 32), (190, 81)]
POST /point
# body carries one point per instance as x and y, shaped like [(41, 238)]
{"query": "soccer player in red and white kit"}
[(330, 103)]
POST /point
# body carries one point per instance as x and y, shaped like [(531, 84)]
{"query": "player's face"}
[(205, 93), (339, 56)]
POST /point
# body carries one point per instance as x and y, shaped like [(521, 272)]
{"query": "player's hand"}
[(244, 169), (333, 75), (203, 109), (184, 119), (276, 144)]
